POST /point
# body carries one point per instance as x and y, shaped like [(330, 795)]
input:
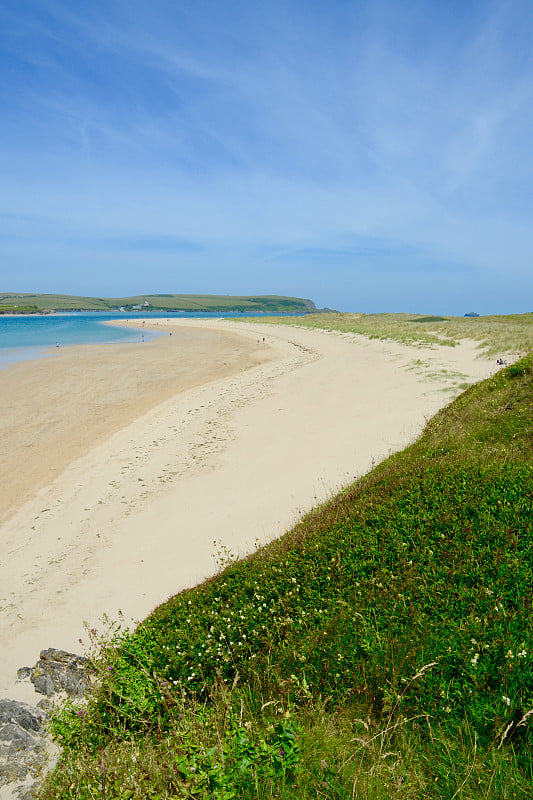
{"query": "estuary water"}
[(33, 336)]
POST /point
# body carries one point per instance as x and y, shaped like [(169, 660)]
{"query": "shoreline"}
[(235, 459), (58, 406)]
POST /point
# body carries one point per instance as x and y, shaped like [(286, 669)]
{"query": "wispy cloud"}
[(287, 137)]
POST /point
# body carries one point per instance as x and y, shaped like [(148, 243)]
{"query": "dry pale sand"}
[(123, 465)]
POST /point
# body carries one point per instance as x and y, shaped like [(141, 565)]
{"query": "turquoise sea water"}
[(33, 336)]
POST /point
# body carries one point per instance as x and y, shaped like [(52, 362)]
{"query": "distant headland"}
[(25, 303)]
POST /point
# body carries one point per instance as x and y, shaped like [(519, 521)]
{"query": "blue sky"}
[(371, 156)]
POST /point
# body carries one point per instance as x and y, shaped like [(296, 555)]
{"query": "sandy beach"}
[(126, 467)]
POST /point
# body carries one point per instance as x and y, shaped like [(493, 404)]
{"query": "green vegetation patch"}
[(272, 304), (18, 309), (396, 618), (429, 319)]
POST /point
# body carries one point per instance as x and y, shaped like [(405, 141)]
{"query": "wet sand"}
[(55, 409)]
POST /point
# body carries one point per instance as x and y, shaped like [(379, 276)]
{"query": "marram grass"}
[(383, 648), (495, 335)]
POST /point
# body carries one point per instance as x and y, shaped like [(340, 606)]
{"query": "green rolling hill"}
[(268, 304)]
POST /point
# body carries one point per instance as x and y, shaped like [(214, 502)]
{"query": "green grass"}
[(7, 308), (165, 302), (496, 335), (383, 648)]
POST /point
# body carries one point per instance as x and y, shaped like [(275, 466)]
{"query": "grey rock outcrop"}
[(58, 671), (27, 752), (24, 750)]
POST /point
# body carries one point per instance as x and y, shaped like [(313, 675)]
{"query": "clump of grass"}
[(429, 319), (387, 636), (211, 750)]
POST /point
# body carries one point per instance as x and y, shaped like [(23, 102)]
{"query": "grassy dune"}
[(496, 335), (383, 648)]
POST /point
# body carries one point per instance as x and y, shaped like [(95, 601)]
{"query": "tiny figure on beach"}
[(500, 362)]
